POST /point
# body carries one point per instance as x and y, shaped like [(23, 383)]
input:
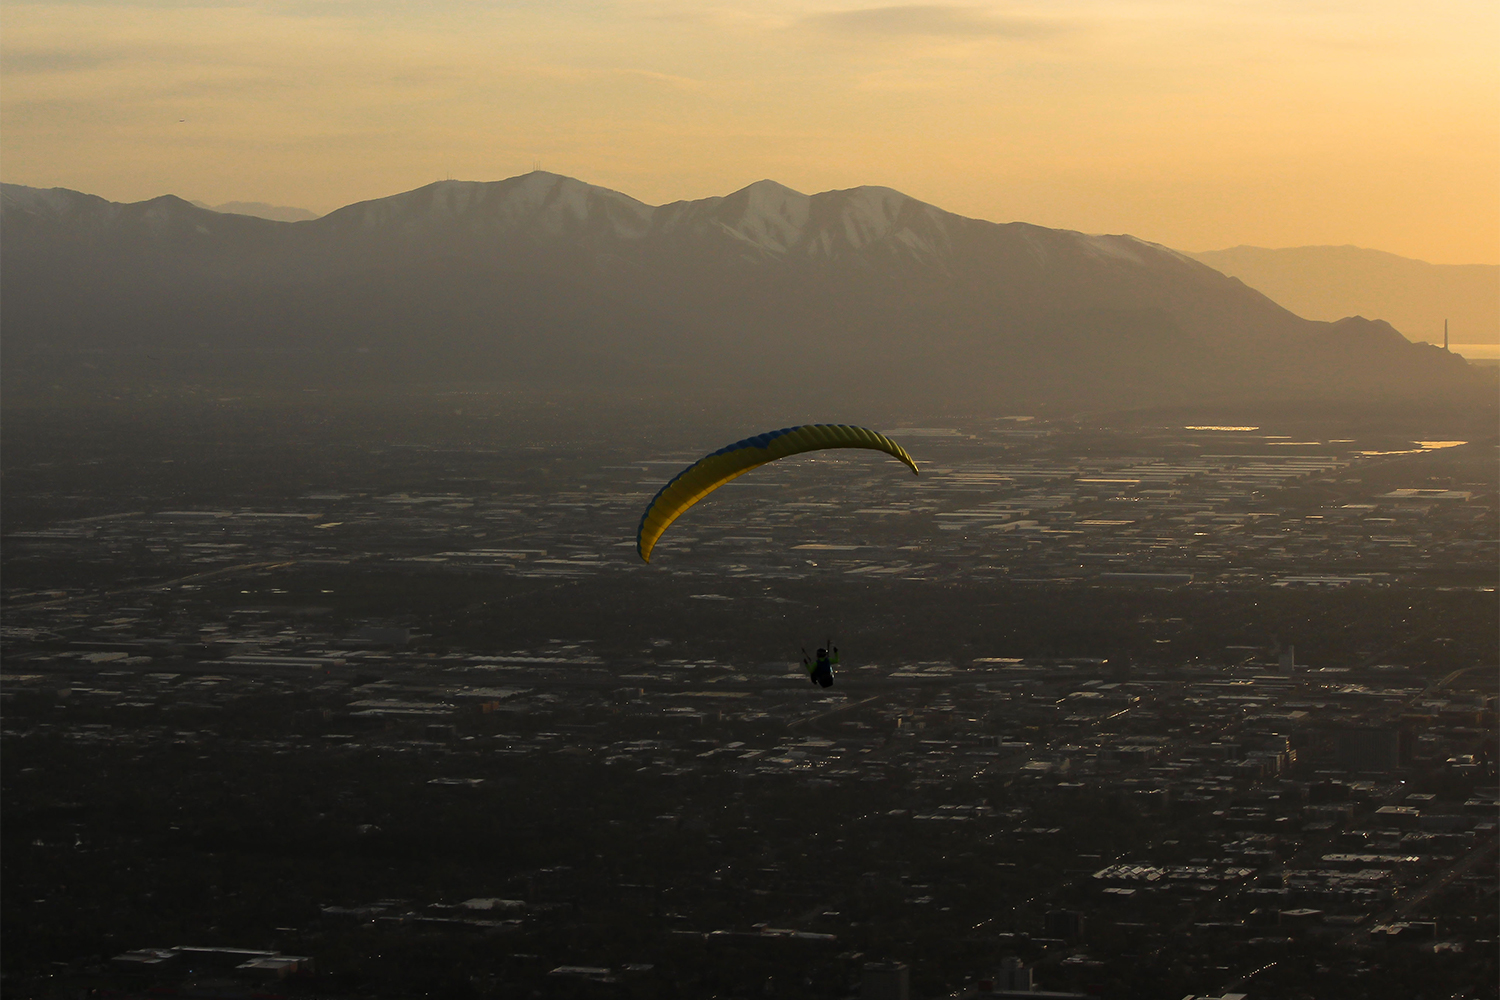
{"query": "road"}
[(1424, 892), (1406, 907)]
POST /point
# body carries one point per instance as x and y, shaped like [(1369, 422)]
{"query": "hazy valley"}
[(331, 669)]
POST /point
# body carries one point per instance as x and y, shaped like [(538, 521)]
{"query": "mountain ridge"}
[(1327, 282), (260, 210), (764, 215), (544, 276)]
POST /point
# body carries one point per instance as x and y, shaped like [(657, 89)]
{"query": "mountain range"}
[(1412, 295), (864, 293), (261, 210)]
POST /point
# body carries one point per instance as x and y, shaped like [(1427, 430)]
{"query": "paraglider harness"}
[(820, 671)]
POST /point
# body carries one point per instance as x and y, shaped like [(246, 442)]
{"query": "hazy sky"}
[(1196, 123)]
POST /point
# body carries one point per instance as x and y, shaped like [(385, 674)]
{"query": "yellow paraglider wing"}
[(712, 471)]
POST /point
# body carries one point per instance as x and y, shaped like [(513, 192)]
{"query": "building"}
[(1368, 748), (1066, 925), (885, 981)]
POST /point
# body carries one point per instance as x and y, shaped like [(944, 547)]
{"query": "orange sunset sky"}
[(1196, 123)]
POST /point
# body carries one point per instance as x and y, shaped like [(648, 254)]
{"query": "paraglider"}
[(820, 670), (712, 471)]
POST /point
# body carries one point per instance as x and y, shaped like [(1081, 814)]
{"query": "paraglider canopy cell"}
[(712, 471)]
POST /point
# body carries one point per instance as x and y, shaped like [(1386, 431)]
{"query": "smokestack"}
[(1445, 335)]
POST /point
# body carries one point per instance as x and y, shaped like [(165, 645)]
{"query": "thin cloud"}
[(571, 73), (932, 20), (667, 79), (54, 60)]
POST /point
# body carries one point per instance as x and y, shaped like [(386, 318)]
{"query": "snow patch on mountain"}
[(551, 205), (779, 222), (538, 204), (1118, 247), (52, 201), (765, 214)]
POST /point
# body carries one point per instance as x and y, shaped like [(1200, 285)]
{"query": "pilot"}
[(820, 670)]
